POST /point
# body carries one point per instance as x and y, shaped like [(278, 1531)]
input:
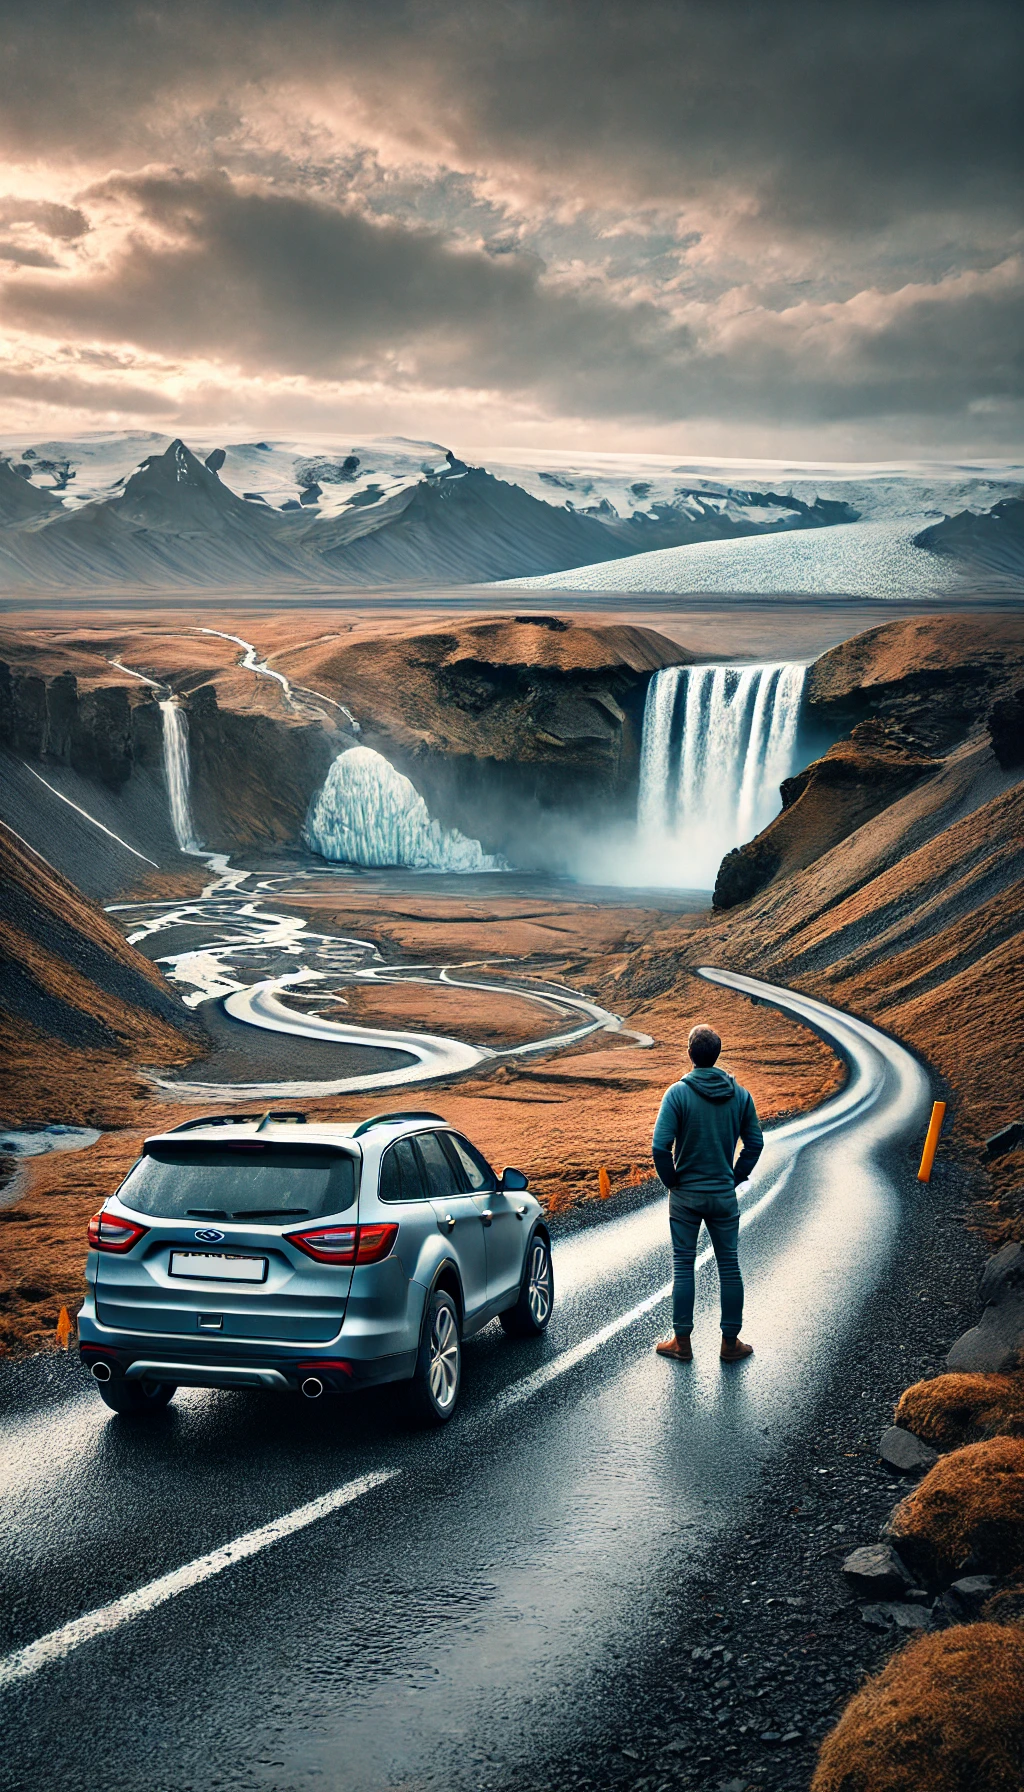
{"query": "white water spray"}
[(717, 743), (177, 773), (367, 813)]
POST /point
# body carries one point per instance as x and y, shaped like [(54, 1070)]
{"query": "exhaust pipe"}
[(101, 1371), (312, 1387)]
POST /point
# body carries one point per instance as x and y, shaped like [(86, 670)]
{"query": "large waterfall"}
[(717, 743), (367, 813), (176, 771)]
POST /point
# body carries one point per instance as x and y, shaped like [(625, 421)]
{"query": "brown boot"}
[(679, 1349), (734, 1350)]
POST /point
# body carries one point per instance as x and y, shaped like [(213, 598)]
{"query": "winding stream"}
[(239, 957), (249, 957)]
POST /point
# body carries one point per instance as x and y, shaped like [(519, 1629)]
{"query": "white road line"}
[(23, 1663), (92, 818)]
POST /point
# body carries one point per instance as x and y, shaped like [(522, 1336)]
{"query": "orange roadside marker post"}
[(931, 1142)]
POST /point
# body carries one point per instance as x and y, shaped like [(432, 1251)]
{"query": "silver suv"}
[(267, 1252)]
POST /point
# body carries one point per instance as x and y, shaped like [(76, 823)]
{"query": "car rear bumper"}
[(183, 1369)]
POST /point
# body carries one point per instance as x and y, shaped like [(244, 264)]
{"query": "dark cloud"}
[(62, 221), (799, 211), (824, 111), (273, 281), (279, 283), (24, 255)]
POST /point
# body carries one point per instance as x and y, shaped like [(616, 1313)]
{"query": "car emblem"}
[(209, 1235)]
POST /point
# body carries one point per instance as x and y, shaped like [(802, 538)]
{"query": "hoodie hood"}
[(713, 1084)]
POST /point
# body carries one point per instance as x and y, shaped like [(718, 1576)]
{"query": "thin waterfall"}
[(717, 743), (178, 774)]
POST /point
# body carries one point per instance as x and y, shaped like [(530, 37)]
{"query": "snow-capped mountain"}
[(105, 510)]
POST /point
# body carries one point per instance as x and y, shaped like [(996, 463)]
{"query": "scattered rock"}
[(1006, 1139), (904, 1453), (996, 1343), (1006, 729), (877, 1572), (965, 1598), (887, 1615)]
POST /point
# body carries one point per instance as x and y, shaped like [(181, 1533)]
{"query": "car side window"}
[(400, 1178), (442, 1182), (475, 1170)]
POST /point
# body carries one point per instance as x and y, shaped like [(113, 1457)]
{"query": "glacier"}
[(368, 813), (876, 559)]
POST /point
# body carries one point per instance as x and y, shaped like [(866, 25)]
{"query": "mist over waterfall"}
[(177, 773), (367, 813), (717, 743)]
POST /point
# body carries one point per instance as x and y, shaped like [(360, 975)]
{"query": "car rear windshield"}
[(257, 1183)]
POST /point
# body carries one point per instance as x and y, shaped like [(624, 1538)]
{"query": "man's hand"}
[(742, 1187)]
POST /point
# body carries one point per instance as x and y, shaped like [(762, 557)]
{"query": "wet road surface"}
[(442, 1623)]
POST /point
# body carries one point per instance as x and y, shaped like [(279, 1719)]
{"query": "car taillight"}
[(108, 1232), (328, 1244), (375, 1243), (345, 1244)]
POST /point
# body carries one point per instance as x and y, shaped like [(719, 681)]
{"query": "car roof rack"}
[(241, 1119), (390, 1119)]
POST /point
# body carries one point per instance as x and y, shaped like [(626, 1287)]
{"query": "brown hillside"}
[(508, 688), (79, 1007), (936, 674)]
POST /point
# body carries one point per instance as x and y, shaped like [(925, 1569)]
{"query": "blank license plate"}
[(207, 1266)]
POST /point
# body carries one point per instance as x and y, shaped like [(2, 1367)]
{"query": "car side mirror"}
[(514, 1180)]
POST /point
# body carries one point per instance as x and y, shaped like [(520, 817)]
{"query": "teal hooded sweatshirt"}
[(701, 1120)]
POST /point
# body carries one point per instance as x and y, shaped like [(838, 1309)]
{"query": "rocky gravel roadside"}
[(762, 1654)]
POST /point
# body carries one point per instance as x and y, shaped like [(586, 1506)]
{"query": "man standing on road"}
[(701, 1120)]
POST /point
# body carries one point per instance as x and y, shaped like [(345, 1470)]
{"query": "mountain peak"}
[(175, 489)]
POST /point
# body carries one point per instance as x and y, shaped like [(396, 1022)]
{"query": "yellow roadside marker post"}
[(931, 1141)]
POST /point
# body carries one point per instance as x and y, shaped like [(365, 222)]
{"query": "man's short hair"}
[(703, 1046)]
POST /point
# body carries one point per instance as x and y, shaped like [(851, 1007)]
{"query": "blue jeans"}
[(724, 1233)]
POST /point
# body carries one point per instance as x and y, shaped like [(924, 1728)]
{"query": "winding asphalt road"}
[(260, 1593)]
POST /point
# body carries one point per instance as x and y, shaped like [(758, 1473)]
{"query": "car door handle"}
[(449, 1220), (486, 1215), (520, 1213)]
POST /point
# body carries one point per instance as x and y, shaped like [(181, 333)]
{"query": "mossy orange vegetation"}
[(951, 1410), (945, 1715), (1001, 1219), (969, 1507)]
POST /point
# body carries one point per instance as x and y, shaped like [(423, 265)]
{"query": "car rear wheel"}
[(434, 1390), (134, 1398), (529, 1317)]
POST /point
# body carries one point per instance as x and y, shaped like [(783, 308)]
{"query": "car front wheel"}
[(435, 1386), (529, 1317), (136, 1398)]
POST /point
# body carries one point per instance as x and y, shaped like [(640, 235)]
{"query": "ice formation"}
[(367, 813)]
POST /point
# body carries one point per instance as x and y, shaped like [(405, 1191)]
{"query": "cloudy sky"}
[(729, 227)]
